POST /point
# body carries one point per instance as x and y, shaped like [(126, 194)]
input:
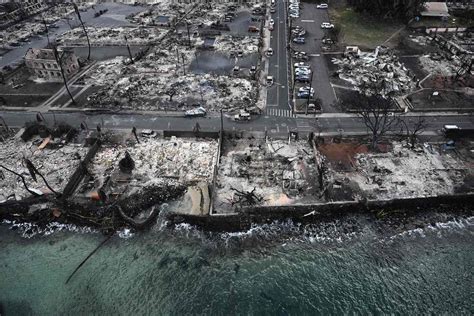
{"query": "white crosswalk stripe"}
[(279, 112)]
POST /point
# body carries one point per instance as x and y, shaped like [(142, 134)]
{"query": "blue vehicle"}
[(304, 94), (299, 40), (302, 78)]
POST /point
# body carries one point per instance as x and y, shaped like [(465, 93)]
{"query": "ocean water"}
[(348, 266)]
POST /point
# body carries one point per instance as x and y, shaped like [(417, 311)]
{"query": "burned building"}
[(42, 63)]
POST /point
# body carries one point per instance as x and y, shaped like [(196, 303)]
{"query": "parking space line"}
[(307, 21)]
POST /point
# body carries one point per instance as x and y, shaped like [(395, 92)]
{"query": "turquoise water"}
[(279, 269)]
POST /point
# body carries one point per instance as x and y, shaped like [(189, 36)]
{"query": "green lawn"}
[(362, 30)]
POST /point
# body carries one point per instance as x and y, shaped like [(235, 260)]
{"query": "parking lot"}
[(310, 19)]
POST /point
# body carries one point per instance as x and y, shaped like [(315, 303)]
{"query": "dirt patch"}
[(342, 155)]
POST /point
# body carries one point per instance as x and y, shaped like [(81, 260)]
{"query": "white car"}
[(294, 15), (306, 89), (270, 52), (322, 6), (301, 65), (327, 25), (299, 71), (294, 7), (271, 22)]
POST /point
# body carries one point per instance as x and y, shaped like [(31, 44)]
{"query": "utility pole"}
[(60, 64), (128, 48), (189, 35), (184, 66), (177, 59)]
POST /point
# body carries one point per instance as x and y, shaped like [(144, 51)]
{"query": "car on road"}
[(271, 22), (327, 25), (322, 6), (270, 52), (294, 6), (236, 69), (270, 28), (242, 116), (269, 80), (197, 112), (273, 10), (297, 29), (299, 40)]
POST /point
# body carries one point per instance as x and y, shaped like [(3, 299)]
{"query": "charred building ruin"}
[(42, 64)]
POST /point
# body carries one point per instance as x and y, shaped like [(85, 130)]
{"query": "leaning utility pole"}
[(128, 48), (47, 32), (84, 28), (60, 64)]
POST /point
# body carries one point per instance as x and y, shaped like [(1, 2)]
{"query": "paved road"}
[(115, 17), (311, 19), (326, 124), (277, 95)]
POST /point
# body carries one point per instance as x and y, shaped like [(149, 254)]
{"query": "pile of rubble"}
[(20, 33), (53, 159), (231, 45), (106, 72), (156, 161), (170, 92), (447, 59), (403, 172), (106, 36), (379, 72), (277, 172)]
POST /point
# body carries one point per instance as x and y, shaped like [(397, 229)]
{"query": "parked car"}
[(273, 10), (304, 94), (327, 25), (306, 89), (300, 72), (302, 79), (298, 31), (270, 51), (253, 70), (322, 6), (327, 41), (197, 112), (294, 14), (299, 40), (271, 22), (253, 29), (301, 65), (236, 69), (269, 80)]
